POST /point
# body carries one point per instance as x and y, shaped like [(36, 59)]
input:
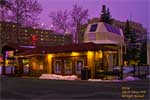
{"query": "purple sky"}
[(136, 10)]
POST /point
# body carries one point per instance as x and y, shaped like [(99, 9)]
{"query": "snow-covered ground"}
[(74, 77), (58, 77), (148, 76), (129, 78), (100, 80)]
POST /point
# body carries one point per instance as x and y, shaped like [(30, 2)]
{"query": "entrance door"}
[(57, 67), (68, 67)]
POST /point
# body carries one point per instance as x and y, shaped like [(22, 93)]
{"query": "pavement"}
[(25, 88)]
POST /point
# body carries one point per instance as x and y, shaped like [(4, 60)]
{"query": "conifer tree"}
[(105, 15), (132, 51)]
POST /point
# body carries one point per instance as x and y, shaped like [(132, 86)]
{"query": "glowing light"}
[(28, 46), (74, 54), (100, 54), (90, 53), (50, 56), (1, 59)]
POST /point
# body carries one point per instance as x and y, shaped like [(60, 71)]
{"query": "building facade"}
[(62, 60), (13, 33), (108, 35), (101, 50), (135, 27)]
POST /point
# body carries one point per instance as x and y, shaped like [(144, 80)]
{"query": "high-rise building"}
[(10, 33)]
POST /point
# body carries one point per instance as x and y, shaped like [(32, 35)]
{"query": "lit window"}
[(41, 39), (13, 26), (25, 31)]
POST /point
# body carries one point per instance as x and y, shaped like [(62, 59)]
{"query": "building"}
[(108, 35), (64, 60), (135, 27), (101, 50), (13, 33)]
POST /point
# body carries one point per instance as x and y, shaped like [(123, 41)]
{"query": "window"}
[(79, 65), (68, 66), (93, 28), (57, 67), (25, 31)]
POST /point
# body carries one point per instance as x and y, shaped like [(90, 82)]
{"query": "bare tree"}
[(79, 17), (72, 21), (60, 20), (4, 9), (25, 11)]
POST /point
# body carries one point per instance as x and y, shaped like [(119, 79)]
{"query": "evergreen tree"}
[(143, 53), (132, 51), (105, 15)]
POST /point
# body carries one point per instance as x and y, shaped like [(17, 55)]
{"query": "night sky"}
[(135, 10)]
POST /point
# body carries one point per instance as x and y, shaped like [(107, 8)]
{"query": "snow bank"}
[(99, 80), (58, 77), (131, 78), (148, 76)]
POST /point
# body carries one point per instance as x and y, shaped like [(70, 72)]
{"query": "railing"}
[(140, 71)]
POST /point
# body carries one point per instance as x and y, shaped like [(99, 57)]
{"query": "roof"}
[(112, 29), (67, 48), (104, 27)]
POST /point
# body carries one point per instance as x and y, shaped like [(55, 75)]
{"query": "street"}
[(34, 89)]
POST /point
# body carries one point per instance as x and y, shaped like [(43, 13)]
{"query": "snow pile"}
[(58, 77), (148, 76), (99, 80), (95, 80), (131, 78)]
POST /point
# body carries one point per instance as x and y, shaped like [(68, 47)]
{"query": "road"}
[(35, 89)]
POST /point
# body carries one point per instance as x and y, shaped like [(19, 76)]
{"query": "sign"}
[(9, 54)]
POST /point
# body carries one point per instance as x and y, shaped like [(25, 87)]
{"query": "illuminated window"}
[(13, 26), (25, 31)]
